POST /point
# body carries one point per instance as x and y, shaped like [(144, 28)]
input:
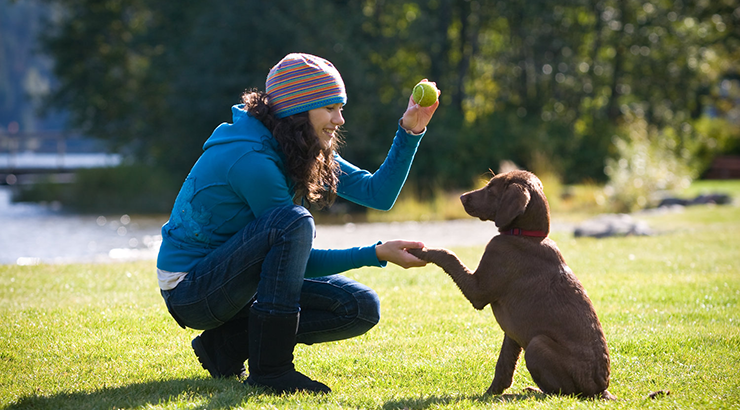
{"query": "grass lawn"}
[(99, 336)]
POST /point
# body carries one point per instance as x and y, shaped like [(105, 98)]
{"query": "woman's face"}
[(326, 121)]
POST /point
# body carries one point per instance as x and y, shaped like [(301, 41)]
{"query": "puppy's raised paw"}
[(419, 253)]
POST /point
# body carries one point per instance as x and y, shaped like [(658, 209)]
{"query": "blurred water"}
[(37, 233)]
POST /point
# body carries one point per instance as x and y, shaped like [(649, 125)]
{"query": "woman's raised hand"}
[(416, 117)]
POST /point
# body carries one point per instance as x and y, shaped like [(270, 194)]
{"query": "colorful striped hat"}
[(302, 82)]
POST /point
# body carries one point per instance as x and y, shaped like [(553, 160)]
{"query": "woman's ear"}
[(513, 203)]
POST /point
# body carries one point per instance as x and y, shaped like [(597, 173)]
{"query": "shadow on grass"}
[(208, 393), (211, 394), (435, 401)]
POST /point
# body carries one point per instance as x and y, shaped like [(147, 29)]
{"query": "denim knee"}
[(335, 308), (368, 307), (297, 222), (367, 317), (293, 216)]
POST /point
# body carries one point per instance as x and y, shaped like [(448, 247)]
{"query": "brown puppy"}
[(536, 299)]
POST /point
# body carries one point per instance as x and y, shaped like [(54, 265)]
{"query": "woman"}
[(237, 259)]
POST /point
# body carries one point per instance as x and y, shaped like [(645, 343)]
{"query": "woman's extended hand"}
[(416, 117), (395, 252)]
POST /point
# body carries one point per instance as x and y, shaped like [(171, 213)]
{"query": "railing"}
[(24, 156)]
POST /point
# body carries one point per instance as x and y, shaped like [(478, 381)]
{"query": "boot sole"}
[(277, 386)]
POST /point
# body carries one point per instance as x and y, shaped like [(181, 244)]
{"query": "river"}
[(42, 233)]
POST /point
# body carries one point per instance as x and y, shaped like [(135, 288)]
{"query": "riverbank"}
[(42, 233), (34, 234)]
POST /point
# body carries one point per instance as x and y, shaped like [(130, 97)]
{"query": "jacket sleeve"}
[(379, 190), (325, 262)]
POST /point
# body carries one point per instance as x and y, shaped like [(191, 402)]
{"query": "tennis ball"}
[(424, 94)]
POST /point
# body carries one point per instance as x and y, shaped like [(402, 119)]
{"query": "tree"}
[(520, 81)]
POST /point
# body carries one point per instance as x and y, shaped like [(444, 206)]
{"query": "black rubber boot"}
[(223, 350), (271, 342)]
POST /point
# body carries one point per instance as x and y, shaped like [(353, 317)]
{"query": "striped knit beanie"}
[(302, 82)]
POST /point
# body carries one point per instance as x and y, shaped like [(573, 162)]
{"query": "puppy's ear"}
[(513, 203)]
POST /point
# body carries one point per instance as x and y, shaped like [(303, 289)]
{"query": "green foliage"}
[(648, 162), (519, 79), (644, 168), (712, 136), (99, 336)]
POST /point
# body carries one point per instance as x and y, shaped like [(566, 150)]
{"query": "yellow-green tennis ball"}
[(424, 94)]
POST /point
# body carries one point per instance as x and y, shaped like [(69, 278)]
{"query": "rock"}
[(716, 199), (612, 225)]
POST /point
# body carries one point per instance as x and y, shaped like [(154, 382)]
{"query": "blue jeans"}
[(266, 260)]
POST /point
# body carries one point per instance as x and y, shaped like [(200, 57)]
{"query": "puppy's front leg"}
[(463, 277), (505, 366)]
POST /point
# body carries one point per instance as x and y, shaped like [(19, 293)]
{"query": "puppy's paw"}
[(532, 389), (419, 253), (441, 256)]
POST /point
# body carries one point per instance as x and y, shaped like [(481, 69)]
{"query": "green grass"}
[(99, 336)]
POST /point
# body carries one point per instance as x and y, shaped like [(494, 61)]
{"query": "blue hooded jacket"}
[(240, 175)]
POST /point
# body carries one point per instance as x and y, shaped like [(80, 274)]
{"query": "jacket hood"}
[(244, 128)]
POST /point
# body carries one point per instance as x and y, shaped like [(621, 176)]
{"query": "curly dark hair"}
[(311, 168)]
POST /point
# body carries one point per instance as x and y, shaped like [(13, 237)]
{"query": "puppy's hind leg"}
[(505, 366), (557, 371), (548, 365)]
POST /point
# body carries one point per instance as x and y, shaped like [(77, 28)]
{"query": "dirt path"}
[(462, 232)]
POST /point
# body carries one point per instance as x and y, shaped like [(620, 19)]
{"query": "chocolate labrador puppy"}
[(536, 299)]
